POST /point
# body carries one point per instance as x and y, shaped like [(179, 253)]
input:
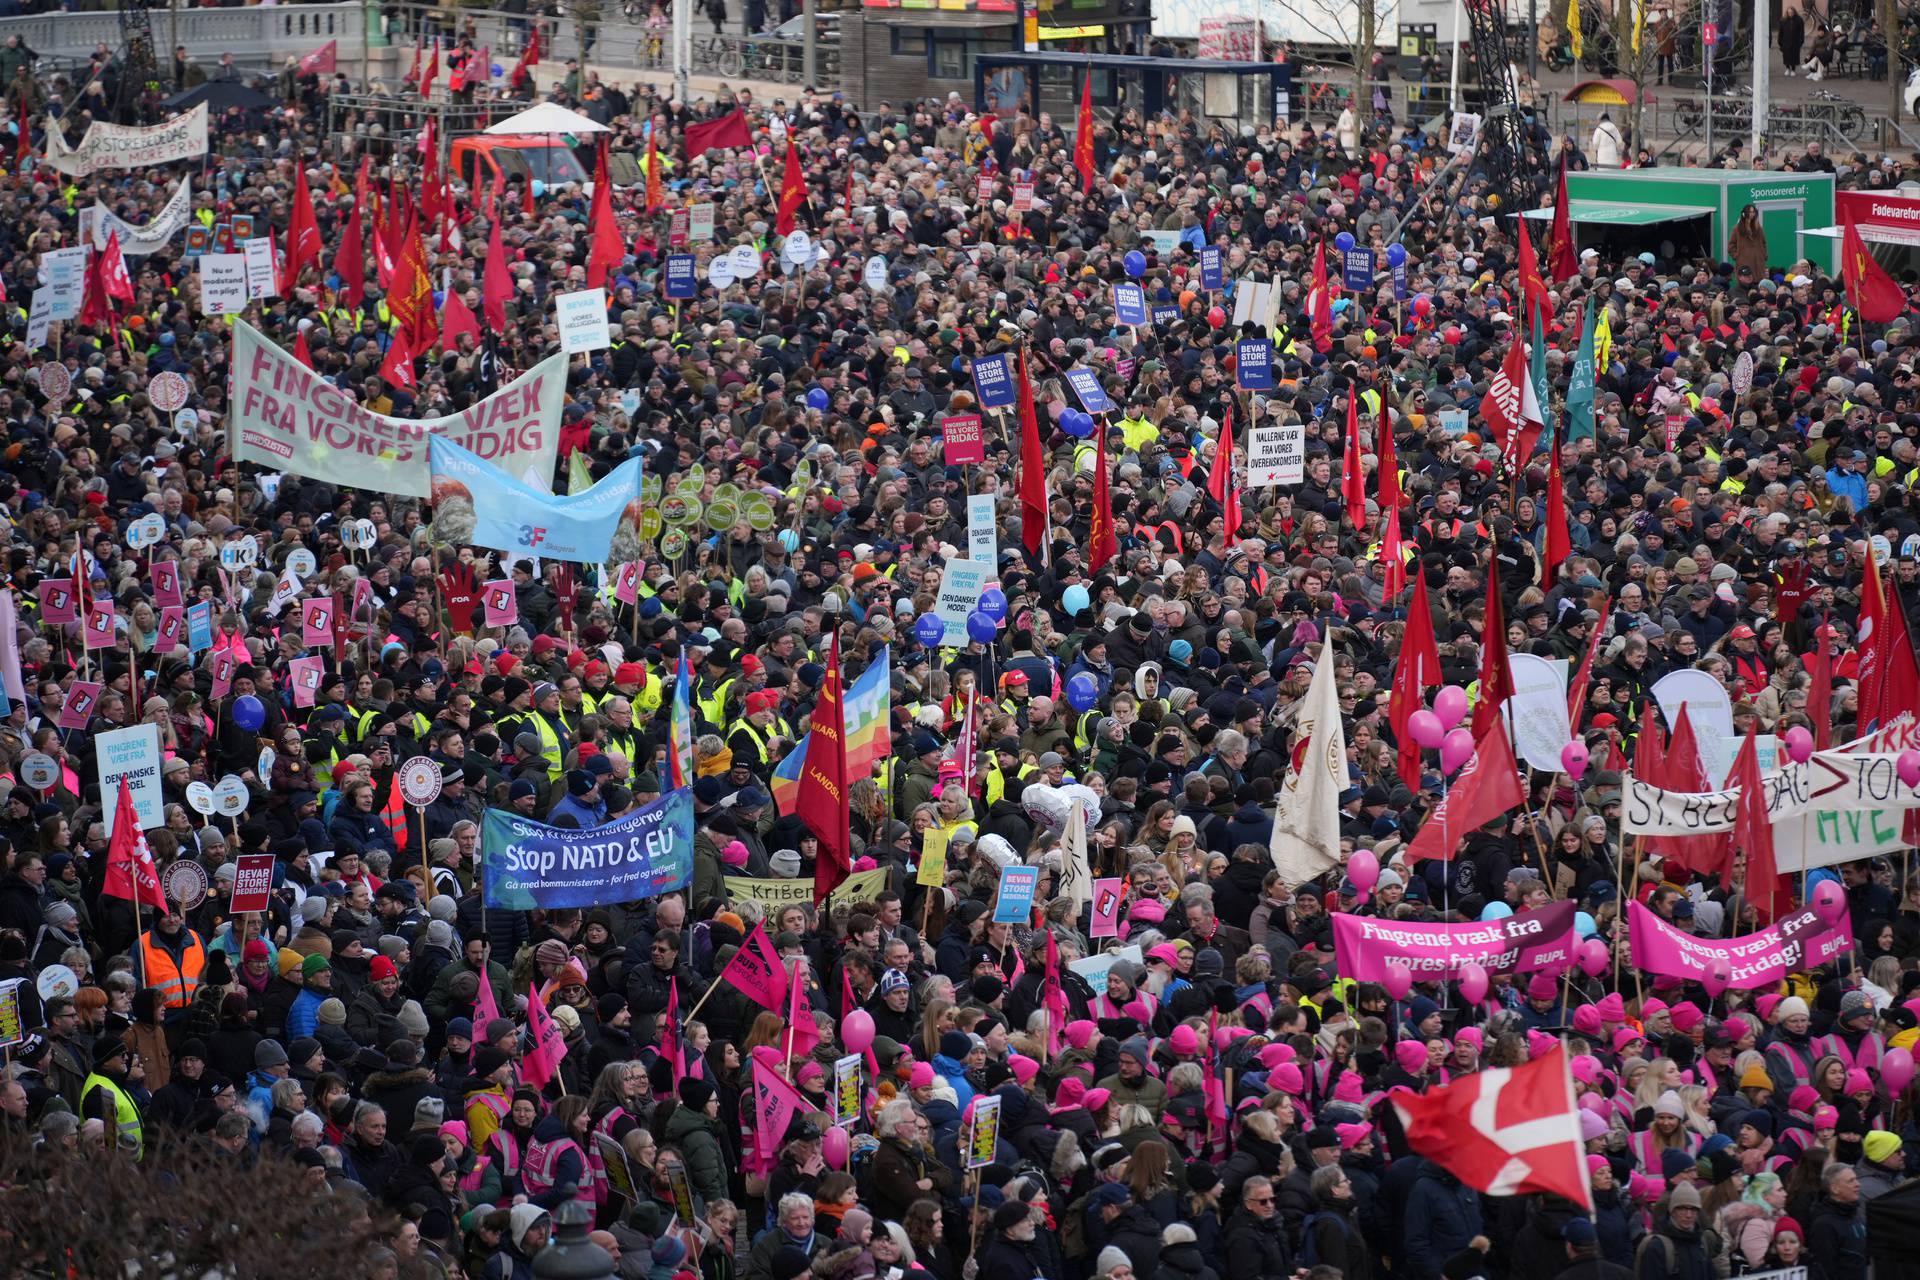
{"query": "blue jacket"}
[(304, 1014), (1443, 1214), (588, 818), (956, 1075)]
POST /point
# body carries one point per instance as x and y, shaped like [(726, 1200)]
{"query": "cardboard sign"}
[(582, 317), (964, 441), (252, 883), (1277, 455), (223, 284), (932, 872), (132, 754)]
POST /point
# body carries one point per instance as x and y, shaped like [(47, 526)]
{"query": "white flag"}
[(1306, 825), (284, 592), (1076, 876)]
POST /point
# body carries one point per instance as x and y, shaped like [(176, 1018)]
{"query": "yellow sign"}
[(775, 893), (1072, 33), (933, 859)]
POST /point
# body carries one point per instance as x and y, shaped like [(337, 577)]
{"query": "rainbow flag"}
[(680, 760), (869, 706)]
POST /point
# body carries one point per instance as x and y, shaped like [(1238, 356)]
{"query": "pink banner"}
[(58, 604), (1800, 940), (166, 585), (1524, 942), (82, 697), (316, 624), (502, 605), (1109, 895)]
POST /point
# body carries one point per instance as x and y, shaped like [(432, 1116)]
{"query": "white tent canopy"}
[(548, 117)]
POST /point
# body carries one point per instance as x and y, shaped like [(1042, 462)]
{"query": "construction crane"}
[(138, 99), (1514, 161)]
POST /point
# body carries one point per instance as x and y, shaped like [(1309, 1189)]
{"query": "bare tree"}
[(1350, 25)]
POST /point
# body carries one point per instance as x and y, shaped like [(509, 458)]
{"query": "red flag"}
[(823, 782), (432, 72), (656, 186), (1677, 767), (1577, 691), (1504, 1131), (1563, 261), (1393, 554), (130, 872), (1558, 544), (667, 1032), (113, 270), (1083, 134), (397, 368), (607, 248), (1103, 542), (1033, 467), (411, 298), (1487, 786), (729, 130), (1418, 667), (1820, 693), (1899, 679), (496, 285), (303, 229), (96, 299), (456, 320), (1502, 406), (1353, 478), (323, 61), (23, 143), (486, 1008), (301, 351), (1533, 290), (349, 260), (432, 190), (1386, 459), (1765, 887), (1220, 485), (1053, 998), (1320, 302), (1870, 289), (529, 57), (542, 1062), (1496, 680), (793, 192), (756, 970), (413, 71)]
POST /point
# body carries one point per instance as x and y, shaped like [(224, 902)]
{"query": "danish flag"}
[(1506, 1131)]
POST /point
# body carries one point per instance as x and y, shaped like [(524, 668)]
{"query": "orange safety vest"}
[(177, 983), (394, 814)]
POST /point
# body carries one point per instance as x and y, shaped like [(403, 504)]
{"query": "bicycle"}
[(716, 55)]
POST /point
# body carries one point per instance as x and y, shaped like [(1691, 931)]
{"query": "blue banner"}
[(200, 626), (1129, 304), (1014, 905), (1213, 267), (1166, 313), (525, 864), (1400, 282), (993, 379), (682, 281), (1356, 268), (1253, 364), (1093, 396), (475, 502)]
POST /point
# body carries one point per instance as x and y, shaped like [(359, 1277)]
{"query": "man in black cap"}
[(108, 1094), (1011, 1255)]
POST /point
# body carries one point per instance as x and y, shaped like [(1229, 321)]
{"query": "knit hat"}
[(315, 964), (333, 1012), (1612, 1007), (1080, 1033), (414, 1018), (1134, 1047), (1761, 1120), (1855, 1003), (922, 1077), (1686, 1016), (1675, 1162), (1111, 1259), (1352, 1135), (695, 1093), (381, 969), (1788, 1226), (955, 1045), (1669, 1104), (268, 1053), (1755, 1077), (1881, 1146), (523, 1217), (489, 1060), (787, 1262), (1411, 1055), (1683, 1196), (1792, 1006)]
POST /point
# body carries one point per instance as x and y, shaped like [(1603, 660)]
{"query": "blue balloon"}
[(1396, 255), (929, 630), (1496, 911), (1083, 691), (539, 188), (789, 540), (248, 712), (1077, 424), (993, 603), (817, 398), (1075, 600), (1343, 241), (1135, 263), (1585, 925), (981, 627)]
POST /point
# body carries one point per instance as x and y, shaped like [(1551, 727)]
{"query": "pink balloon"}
[(1829, 901), (1717, 976), (1426, 728), (1594, 957), (856, 1032), (1473, 983), (1450, 704), (1363, 868), (1908, 767), (833, 1147), (1799, 744), (1574, 760), (1896, 1070), (1399, 979), (1455, 750)]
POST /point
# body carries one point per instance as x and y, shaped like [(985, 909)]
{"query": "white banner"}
[(982, 542), (1277, 455), (1710, 708), (137, 242), (223, 284), (116, 146), (1538, 710), (1831, 782), (64, 272), (260, 270)]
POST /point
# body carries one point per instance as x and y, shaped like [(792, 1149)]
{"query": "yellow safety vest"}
[(533, 722), (126, 1116)]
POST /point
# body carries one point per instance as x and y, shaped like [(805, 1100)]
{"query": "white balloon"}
[(1088, 801), (1047, 806)]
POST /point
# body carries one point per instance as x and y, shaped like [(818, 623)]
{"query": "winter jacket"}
[(1836, 1241), (399, 1092), (1442, 1216), (365, 1013), (1254, 1248), (699, 1137), (1336, 1240), (1672, 1254), (1185, 1261), (894, 1178), (1004, 1259), (1136, 1233)]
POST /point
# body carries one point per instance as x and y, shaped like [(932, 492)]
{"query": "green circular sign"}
[(651, 487), (674, 544), (720, 515), (651, 524), (726, 493), (803, 474), (678, 509), (692, 482), (758, 513)]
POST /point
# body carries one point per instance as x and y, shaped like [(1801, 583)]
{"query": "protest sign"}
[(287, 418), (59, 602), (932, 872), (1129, 304), (476, 502), (12, 1027), (65, 275), (1829, 781), (1277, 455), (1253, 364), (1798, 941), (1086, 385), (118, 146), (682, 277), (1094, 967), (961, 583), (252, 883), (772, 893), (1356, 268), (648, 853), (39, 318), (582, 318), (1014, 903), (1524, 942), (158, 234), (1108, 897), (982, 540), (223, 284), (501, 603), (1213, 267), (992, 378), (845, 1098), (82, 697), (200, 626), (316, 623), (1710, 707), (133, 754), (262, 278), (962, 439), (1537, 711), (983, 1131)]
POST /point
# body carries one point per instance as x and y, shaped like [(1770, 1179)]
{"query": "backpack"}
[(1309, 1241), (1671, 1267), (1073, 1229)]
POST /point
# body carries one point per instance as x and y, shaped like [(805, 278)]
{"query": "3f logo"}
[(532, 535)]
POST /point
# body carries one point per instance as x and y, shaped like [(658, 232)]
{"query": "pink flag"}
[(82, 697), (672, 1048), (485, 1009), (774, 1104), (58, 603), (755, 970), (626, 589), (542, 1062), (1054, 998), (803, 1029), (847, 1001), (502, 605), (166, 585)]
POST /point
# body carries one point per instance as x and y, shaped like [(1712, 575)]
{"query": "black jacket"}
[(1254, 1249)]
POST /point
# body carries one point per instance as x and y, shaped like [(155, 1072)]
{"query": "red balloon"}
[(1217, 317), (1452, 335), (1422, 305)]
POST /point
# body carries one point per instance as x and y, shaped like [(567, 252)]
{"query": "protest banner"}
[(773, 893), (1277, 455), (223, 285), (476, 502), (252, 883), (1538, 710), (158, 234), (983, 1131), (1520, 943), (133, 754), (645, 854), (1797, 941), (582, 320), (1829, 781), (961, 583), (1014, 902), (846, 1091), (119, 146), (286, 418), (1094, 968)]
